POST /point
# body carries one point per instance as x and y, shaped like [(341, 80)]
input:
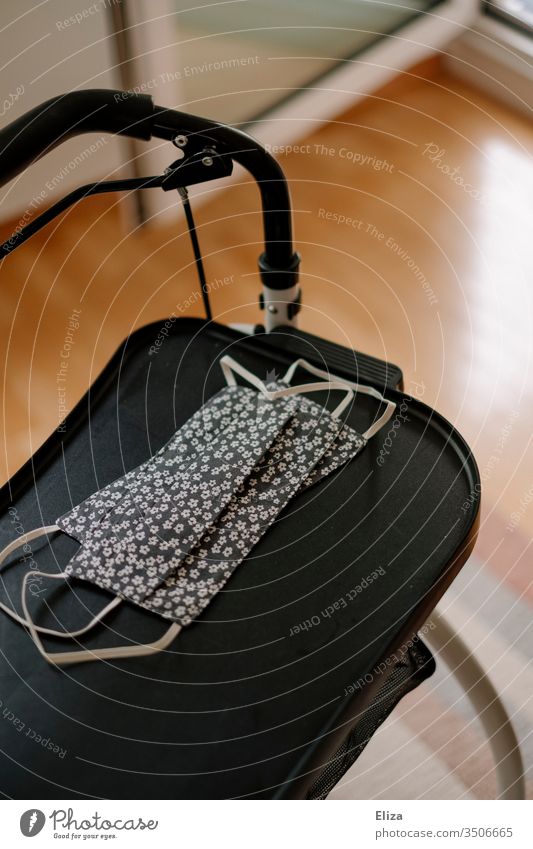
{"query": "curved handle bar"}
[(262, 166), (99, 110), (94, 111)]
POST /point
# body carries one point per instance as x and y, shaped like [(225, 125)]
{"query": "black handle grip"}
[(95, 110)]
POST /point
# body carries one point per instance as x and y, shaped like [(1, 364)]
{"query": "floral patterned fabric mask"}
[(169, 534)]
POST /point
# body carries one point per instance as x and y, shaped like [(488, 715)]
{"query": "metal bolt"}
[(272, 309), (207, 161), (180, 141)]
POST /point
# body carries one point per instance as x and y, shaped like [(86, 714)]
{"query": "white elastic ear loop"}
[(358, 387), (85, 655), (230, 367), (62, 658), (22, 540)]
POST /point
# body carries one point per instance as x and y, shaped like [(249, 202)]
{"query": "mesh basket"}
[(411, 669)]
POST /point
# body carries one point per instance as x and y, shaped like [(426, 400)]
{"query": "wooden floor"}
[(433, 271)]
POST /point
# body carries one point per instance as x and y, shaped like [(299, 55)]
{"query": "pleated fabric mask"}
[(169, 534)]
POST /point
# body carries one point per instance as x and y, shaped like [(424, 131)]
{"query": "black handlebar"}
[(261, 165), (94, 111), (38, 131)]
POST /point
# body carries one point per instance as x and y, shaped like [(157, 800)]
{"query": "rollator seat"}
[(277, 687)]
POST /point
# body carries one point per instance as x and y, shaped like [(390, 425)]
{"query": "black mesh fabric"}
[(407, 672)]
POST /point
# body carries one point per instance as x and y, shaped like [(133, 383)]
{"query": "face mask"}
[(168, 535), (190, 440), (293, 462)]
